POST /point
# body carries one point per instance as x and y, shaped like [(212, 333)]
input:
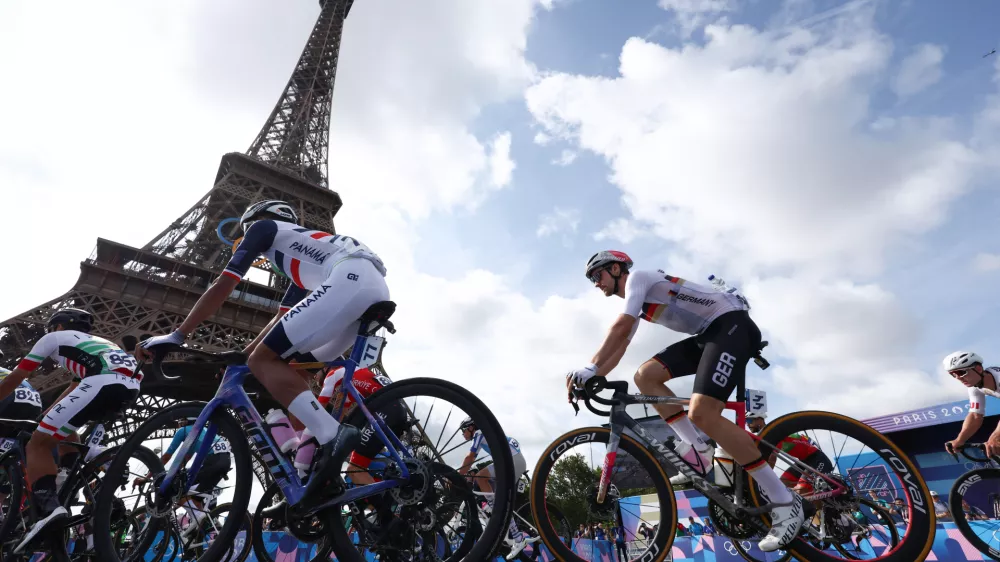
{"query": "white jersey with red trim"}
[(366, 381), (675, 303), (82, 354), (305, 256), (977, 396)]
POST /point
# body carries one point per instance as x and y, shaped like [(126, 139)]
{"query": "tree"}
[(569, 485)]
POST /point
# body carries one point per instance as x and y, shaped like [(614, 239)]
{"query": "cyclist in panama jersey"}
[(723, 339), (104, 382), (334, 279)]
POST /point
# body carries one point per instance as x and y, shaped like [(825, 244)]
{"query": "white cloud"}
[(501, 164), (764, 161), (541, 138), (986, 262), (566, 158), (558, 221), (691, 14), (621, 230), (919, 70)]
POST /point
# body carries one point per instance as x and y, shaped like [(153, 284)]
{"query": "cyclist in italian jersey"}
[(334, 279), (723, 339), (486, 477), (104, 382), (799, 446), (981, 381)]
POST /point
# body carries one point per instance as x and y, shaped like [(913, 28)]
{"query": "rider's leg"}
[(681, 358)]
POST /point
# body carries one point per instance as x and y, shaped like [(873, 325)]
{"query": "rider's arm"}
[(612, 361), (293, 295), (970, 426), (467, 463), (44, 347), (614, 345), (259, 237)]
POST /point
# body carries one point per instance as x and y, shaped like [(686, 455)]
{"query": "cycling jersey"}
[(977, 396), (479, 443), (364, 380), (675, 303), (798, 445), (219, 445), (82, 354), (23, 404), (23, 394)]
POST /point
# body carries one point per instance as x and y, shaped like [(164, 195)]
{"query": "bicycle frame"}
[(231, 394)]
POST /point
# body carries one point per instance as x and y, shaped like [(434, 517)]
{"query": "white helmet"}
[(961, 360), (268, 209)]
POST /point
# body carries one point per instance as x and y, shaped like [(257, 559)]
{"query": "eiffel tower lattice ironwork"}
[(136, 292)]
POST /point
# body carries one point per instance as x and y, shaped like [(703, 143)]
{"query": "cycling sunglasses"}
[(959, 373), (595, 276)]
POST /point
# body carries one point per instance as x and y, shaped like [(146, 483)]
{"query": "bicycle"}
[(409, 481), (977, 484), (83, 477), (740, 510)]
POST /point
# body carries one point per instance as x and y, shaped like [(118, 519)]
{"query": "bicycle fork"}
[(611, 453)]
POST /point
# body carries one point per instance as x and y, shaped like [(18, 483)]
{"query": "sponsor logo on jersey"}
[(313, 297), (315, 253)]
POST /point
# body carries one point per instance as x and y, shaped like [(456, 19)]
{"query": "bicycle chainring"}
[(730, 525), (416, 488)]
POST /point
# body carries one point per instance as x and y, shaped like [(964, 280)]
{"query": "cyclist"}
[(801, 447), (968, 368), (723, 339), (104, 382), (23, 404), (471, 433), (335, 279)]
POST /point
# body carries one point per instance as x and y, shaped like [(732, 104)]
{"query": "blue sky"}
[(834, 160)]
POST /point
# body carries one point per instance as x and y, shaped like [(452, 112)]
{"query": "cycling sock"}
[(515, 533), (319, 421), (682, 426), (769, 482)]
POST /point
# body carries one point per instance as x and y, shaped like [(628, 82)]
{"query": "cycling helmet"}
[(754, 416), (71, 319), (268, 209), (466, 423), (605, 258), (961, 360)]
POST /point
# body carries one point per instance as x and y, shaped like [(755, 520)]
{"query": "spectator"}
[(973, 513), (599, 533), (645, 532), (681, 531), (940, 509), (710, 527), (900, 513), (619, 533), (695, 527), (581, 533)]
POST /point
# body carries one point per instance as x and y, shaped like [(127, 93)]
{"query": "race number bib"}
[(220, 446), (117, 361), (6, 445), (27, 396), (756, 402), (515, 447)]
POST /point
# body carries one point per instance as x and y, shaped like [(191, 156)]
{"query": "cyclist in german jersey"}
[(486, 477), (723, 339), (104, 383), (334, 278), (981, 381)]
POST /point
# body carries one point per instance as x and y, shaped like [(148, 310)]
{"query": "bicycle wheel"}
[(160, 506), (886, 457), (977, 485), (416, 523), (526, 523), (635, 457), (10, 510), (309, 532)]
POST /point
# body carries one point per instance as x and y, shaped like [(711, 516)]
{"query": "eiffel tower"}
[(137, 292)]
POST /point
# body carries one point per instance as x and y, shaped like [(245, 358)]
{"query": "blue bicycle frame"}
[(231, 394)]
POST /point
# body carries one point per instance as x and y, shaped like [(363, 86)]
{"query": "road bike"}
[(739, 510), (408, 493), (974, 500)]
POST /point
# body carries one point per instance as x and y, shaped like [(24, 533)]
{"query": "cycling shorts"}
[(395, 418), (717, 357), (97, 397), (22, 404), (520, 465), (793, 476), (325, 323), (212, 471)]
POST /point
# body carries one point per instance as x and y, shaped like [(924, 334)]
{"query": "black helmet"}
[(268, 209), (72, 319)]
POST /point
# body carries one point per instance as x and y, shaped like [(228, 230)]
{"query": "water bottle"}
[(723, 468), (281, 430), (719, 284), (304, 456)]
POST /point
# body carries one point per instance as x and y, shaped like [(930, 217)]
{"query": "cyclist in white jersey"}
[(518, 540), (334, 279), (723, 339), (104, 382), (981, 381)]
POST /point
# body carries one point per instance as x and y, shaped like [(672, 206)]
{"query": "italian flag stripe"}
[(47, 427), (37, 358), (28, 365)]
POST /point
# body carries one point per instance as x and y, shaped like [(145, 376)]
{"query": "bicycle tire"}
[(920, 533), (161, 547), (227, 427), (524, 512), (324, 547), (664, 538), (958, 513), (881, 512), (503, 502), (244, 553), (745, 554), (12, 469)]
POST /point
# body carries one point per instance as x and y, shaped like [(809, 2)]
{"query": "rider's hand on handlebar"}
[(579, 377), (993, 445), (141, 350), (953, 445)]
